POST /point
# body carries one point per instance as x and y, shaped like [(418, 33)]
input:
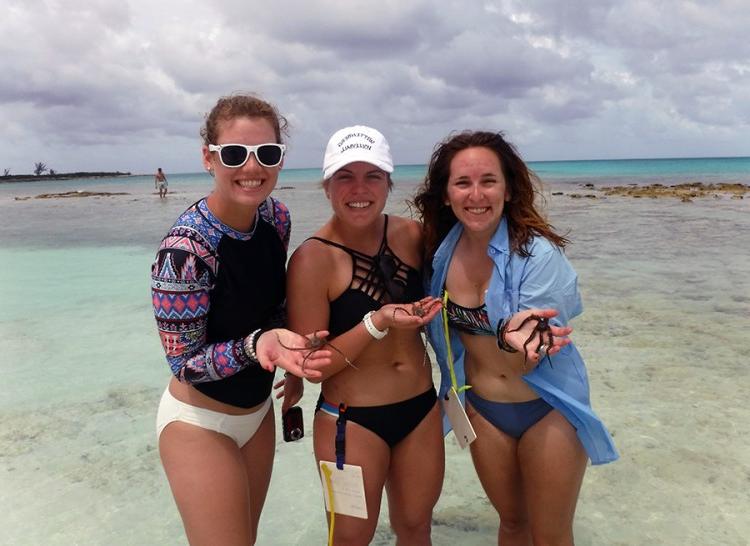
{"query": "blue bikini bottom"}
[(512, 418)]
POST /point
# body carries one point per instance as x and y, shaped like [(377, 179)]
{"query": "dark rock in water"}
[(557, 193), (78, 193), (687, 190), (575, 195)]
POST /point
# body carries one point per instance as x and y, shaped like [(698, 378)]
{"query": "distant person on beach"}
[(218, 291), (160, 183), (359, 277), (499, 266)]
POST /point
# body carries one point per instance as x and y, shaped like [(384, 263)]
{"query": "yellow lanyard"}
[(446, 333), (329, 486)]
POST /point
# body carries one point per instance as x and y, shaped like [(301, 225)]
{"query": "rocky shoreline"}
[(68, 194), (62, 176), (684, 192)]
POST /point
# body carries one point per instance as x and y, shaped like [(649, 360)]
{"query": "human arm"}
[(549, 281), (290, 388), (180, 288), (547, 289), (529, 334), (181, 285), (277, 213)]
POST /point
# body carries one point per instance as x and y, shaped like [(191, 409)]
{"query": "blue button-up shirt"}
[(545, 279)]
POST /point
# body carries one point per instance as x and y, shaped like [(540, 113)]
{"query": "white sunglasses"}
[(235, 156)]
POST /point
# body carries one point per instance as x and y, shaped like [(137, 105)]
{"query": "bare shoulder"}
[(312, 255), (401, 227), (405, 238)]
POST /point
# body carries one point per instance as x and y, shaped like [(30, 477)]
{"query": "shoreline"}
[(685, 192), (62, 176)]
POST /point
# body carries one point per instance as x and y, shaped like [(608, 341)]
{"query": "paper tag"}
[(348, 489), (459, 420)]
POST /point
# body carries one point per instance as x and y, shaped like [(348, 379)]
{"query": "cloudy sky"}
[(124, 85)]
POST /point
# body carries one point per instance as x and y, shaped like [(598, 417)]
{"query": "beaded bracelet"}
[(371, 328), (251, 345), (503, 345)]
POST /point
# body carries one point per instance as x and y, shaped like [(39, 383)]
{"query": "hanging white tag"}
[(348, 489), (459, 420)]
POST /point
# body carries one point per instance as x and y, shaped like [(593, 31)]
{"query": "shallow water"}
[(666, 288)]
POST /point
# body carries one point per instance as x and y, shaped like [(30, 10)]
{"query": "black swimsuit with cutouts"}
[(376, 280)]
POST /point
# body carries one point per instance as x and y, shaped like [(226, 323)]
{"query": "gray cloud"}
[(580, 79)]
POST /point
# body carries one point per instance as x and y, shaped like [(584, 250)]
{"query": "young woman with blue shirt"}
[(496, 262)]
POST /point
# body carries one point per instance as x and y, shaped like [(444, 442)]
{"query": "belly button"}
[(502, 375)]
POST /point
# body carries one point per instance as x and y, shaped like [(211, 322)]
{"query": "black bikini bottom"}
[(392, 422)]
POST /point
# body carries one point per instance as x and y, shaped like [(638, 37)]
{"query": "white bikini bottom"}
[(239, 428)]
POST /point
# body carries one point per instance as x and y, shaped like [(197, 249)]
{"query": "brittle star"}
[(542, 327), (418, 310), (313, 344)]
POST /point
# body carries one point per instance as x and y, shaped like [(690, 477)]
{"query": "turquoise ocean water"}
[(666, 288)]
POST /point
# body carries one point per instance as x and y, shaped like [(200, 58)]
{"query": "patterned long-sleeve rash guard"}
[(211, 287)]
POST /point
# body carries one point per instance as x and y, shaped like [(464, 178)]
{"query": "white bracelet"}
[(250, 344), (371, 328)]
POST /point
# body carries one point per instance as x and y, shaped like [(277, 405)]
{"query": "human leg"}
[(496, 461), (185, 432), (415, 479), (365, 449), (553, 463), (258, 454), (207, 475)]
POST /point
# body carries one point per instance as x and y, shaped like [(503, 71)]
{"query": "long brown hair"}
[(524, 221)]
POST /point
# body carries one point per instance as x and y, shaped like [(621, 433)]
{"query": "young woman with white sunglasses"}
[(218, 291)]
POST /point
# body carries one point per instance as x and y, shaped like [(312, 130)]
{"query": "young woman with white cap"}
[(359, 277)]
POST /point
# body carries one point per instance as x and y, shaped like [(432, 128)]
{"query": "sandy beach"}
[(666, 290)]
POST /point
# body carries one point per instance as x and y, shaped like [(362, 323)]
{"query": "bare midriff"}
[(387, 371), (493, 374)]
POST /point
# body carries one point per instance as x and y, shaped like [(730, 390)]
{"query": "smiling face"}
[(358, 192), (239, 191), (477, 190)]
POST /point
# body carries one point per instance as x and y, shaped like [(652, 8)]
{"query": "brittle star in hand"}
[(313, 344), (542, 327), (418, 310)]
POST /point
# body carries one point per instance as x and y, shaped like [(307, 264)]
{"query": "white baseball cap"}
[(357, 143)]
